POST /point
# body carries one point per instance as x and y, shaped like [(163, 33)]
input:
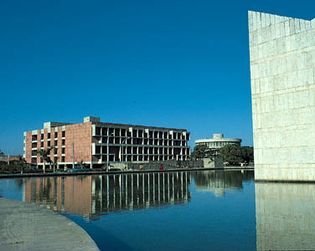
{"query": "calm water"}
[(209, 210)]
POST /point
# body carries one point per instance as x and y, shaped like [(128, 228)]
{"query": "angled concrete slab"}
[(27, 227), (282, 65)]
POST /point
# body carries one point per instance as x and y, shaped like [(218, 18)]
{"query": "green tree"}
[(247, 154), (231, 153), (44, 153), (199, 152), (202, 151)]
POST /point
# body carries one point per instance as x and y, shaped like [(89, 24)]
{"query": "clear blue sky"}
[(166, 63)]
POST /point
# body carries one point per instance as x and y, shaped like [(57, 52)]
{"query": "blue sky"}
[(167, 63)]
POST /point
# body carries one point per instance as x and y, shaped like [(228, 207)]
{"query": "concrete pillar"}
[(148, 189), (173, 187), (159, 188), (168, 187), (131, 188), (163, 186), (120, 191), (107, 191), (153, 188), (126, 189), (114, 192)]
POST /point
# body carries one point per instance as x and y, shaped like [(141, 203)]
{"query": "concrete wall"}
[(285, 216), (282, 64)]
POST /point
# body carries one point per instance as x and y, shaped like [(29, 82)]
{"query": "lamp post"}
[(121, 148), (107, 159)]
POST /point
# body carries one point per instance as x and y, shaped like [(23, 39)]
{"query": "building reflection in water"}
[(93, 195), (219, 182), (285, 216)]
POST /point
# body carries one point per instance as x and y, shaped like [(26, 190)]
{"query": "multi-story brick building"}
[(96, 143)]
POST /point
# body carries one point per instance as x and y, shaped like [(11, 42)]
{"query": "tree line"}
[(232, 154)]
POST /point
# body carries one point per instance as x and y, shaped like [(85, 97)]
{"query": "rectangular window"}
[(123, 132), (63, 134), (134, 133)]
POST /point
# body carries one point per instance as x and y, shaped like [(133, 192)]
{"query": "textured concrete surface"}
[(27, 227), (285, 216), (282, 64)]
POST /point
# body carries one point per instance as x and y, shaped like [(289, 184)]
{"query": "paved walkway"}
[(27, 227)]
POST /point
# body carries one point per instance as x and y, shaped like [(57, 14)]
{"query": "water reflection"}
[(285, 216), (219, 182), (93, 195)]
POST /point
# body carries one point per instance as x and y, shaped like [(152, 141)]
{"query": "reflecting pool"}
[(207, 210)]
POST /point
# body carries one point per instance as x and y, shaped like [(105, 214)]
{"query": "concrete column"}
[(159, 188), (120, 190), (131, 188), (126, 190), (143, 193), (107, 191), (148, 189), (168, 187), (163, 186), (100, 194), (114, 191), (173, 188), (153, 175)]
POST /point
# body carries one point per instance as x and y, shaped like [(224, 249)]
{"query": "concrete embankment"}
[(101, 172), (27, 227)]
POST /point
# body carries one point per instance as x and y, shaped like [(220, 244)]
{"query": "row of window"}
[(139, 150), (55, 160), (138, 141), (34, 136), (141, 158), (41, 144), (55, 151), (138, 133), (216, 144)]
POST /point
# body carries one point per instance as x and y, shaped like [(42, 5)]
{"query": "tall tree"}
[(247, 154), (231, 153), (44, 153)]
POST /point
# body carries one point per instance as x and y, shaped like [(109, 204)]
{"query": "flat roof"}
[(133, 125)]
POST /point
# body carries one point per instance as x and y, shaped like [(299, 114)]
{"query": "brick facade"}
[(89, 141)]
